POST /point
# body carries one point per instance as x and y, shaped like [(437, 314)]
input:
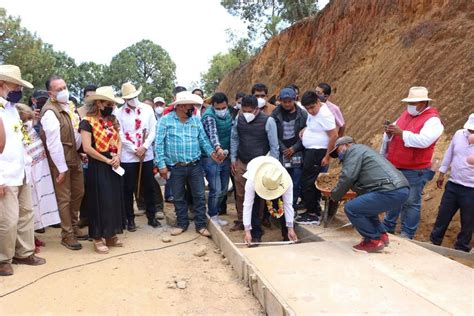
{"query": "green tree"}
[(268, 17), (221, 65), (144, 64)]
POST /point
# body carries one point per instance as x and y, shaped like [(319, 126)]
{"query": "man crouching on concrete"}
[(378, 184), (271, 182)]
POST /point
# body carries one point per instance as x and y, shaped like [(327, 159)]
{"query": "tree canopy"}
[(144, 63)]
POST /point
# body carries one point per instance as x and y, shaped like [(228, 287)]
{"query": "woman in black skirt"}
[(101, 142)]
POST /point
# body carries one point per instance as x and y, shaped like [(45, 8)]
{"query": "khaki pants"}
[(16, 223), (240, 181), (69, 196)]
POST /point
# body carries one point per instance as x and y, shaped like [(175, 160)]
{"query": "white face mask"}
[(62, 97), (237, 106), (411, 109), (249, 117), (159, 110), (261, 102), (221, 113), (133, 102)]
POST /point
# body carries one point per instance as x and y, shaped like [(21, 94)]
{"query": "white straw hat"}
[(271, 180), (11, 73), (470, 122), (417, 94), (129, 91), (104, 93), (187, 97)]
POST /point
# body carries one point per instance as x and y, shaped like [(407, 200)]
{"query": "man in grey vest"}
[(253, 134)]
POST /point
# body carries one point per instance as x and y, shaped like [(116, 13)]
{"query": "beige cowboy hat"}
[(129, 91), (417, 94), (187, 97), (104, 93), (271, 180), (11, 73)]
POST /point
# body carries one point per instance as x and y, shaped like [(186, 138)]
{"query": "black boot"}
[(131, 227), (153, 222)]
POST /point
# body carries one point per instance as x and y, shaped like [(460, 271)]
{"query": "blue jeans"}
[(295, 174), (193, 176), (168, 193), (409, 212), (217, 175), (363, 211)]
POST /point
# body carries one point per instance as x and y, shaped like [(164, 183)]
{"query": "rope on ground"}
[(97, 261)]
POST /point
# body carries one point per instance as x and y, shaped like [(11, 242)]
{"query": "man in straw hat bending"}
[(267, 180), (378, 184), (16, 207), (409, 145), (137, 132), (60, 134), (180, 138)]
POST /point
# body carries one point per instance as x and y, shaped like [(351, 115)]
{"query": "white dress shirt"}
[(12, 160), (249, 197), (127, 125), (429, 133), (51, 127)]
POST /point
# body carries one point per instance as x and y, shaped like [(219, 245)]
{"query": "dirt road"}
[(142, 283)]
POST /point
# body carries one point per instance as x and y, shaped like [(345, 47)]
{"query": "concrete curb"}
[(269, 298)]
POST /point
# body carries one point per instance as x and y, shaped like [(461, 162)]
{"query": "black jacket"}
[(300, 123)]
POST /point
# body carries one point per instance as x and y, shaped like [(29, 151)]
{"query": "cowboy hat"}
[(11, 73), (159, 99), (271, 180), (417, 94), (470, 122), (129, 91), (341, 141), (104, 93), (187, 97)]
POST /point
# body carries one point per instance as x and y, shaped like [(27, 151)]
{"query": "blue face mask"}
[(340, 156), (14, 96)]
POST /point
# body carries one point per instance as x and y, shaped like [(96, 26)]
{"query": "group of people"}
[(86, 166)]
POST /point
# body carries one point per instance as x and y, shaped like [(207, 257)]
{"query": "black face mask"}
[(14, 96), (189, 112), (287, 111), (106, 111), (40, 103)]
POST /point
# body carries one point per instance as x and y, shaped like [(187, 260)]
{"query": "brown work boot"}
[(70, 242), (30, 261), (237, 226), (6, 269), (204, 232), (79, 234)]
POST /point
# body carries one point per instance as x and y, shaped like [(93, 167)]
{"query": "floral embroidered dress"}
[(42, 188)]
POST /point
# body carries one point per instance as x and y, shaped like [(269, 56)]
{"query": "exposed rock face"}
[(371, 52)]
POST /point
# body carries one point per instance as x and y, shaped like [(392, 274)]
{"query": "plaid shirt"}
[(210, 127), (179, 142)]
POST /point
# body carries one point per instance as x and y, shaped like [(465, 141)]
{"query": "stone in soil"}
[(200, 252), (181, 285), (165, 239)]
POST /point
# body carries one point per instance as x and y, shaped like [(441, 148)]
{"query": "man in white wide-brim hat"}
[(137, 133), (459, 190), (409, 145), (17, 217), (180, 140), (267, 181)]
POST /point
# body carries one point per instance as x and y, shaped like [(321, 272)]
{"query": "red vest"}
[(403, 157)]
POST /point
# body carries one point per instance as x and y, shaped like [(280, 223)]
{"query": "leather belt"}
[(186, 164)]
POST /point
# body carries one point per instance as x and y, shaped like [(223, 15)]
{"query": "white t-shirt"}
[(315, 135)]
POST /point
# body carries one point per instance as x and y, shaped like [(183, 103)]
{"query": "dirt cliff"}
[(371, 52)]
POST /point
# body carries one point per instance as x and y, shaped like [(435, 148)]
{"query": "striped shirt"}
[(178, 142)]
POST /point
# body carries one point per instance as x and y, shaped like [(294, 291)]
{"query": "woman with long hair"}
[(104, 196)]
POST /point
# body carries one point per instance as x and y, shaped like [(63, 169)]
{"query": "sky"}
[(191, 31)]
